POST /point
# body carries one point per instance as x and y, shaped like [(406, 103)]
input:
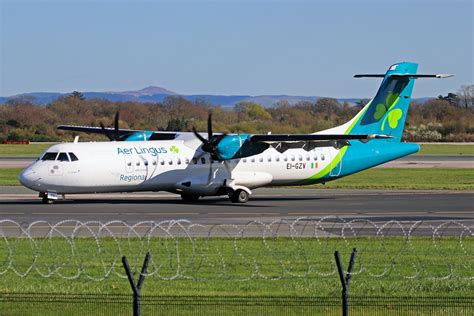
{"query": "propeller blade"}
[(106, 131), (209, 127), (116, 122), (202, 139)]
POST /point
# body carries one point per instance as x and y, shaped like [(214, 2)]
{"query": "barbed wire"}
[(181, 249)]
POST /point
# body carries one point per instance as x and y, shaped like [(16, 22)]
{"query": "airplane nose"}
[(27, 177)]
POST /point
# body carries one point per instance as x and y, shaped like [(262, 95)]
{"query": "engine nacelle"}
[(239, 146)]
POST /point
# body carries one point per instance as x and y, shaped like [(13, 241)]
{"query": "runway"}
[(22, 205)]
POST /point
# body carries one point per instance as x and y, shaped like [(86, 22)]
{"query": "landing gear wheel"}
[(46, 200), (239, 196), (189, 197)]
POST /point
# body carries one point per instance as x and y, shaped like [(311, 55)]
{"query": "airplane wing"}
[(312, 137), (120, 134)]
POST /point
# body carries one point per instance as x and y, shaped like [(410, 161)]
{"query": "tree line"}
[(446, 118)]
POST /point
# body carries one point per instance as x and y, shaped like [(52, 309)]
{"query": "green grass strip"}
[(406, 178), (446, 149)]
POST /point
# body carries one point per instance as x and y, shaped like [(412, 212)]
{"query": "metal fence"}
[(103, 304)]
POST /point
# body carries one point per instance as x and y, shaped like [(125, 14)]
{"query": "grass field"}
[(446, 149), (416, 179), (35, 150), (31, 150), (246, 266), (383, 178)]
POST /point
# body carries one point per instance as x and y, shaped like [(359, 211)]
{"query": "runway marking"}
[(238, 213), (11, 213), (72, 213), (161, 214)]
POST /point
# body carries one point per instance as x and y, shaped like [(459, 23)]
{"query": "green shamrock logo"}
[(393, 115), (174, 149)]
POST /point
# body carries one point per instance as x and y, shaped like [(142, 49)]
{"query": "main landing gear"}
[(189, 197), (239, 196)]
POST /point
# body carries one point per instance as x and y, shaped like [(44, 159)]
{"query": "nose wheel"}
[(239, 196), (45, 200)]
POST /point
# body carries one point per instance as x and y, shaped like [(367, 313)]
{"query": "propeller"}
[(115, 134), (210, 144)]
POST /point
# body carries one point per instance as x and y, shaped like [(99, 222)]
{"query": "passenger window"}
[(277, 158), (179, 161), (170, 162), (322, 156), (261, 159), (300, 158), (73, 157), (269, 158), (137, 163), (285, 158), (203, 160), (195, 161), (62, 157), (154, 162), (145, 162), (244, 160), (162, 162), (315, 157), (292, 157), (253, 159), (186, 161), (307, 157), (49, 156)]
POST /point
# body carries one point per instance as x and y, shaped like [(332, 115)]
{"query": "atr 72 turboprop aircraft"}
[(195, 165)]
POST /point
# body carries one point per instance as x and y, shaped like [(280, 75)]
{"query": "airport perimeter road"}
[(22, 205)]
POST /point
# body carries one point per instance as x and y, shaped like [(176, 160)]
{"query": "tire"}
[(239, 196), (45, 200), (189, 197)]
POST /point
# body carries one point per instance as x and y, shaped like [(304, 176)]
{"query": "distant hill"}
[(158, 94)]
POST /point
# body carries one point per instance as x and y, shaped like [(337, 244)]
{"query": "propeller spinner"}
[(210, 144)]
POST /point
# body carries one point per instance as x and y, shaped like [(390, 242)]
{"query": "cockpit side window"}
[(73, 157), (49, 156), (63, 157)]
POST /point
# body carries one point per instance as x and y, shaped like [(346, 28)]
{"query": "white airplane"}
[(195, 165)]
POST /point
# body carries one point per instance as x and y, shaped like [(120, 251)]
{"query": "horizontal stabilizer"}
[(413, 76)]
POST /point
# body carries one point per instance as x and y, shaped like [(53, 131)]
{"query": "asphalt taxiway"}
[(266, 204)]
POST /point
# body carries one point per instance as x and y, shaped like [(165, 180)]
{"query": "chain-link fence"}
[(115, 305), (291, 260)]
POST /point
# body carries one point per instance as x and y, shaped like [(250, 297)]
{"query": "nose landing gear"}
[(48, 197)]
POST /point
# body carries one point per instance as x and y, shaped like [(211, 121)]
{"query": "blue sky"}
[(231, 47)]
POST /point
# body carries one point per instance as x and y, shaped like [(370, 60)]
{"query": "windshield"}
[(49, 156)]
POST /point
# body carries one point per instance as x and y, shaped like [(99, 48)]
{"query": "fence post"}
[(345, 280), (136, 288)]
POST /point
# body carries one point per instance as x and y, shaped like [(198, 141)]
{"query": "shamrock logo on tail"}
[(174, 149), (393, 115)]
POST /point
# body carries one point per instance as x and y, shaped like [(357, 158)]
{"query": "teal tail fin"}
[(386, 113)]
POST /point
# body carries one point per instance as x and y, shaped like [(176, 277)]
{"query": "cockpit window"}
[(49, 156), (63, 157), (73, 157)]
